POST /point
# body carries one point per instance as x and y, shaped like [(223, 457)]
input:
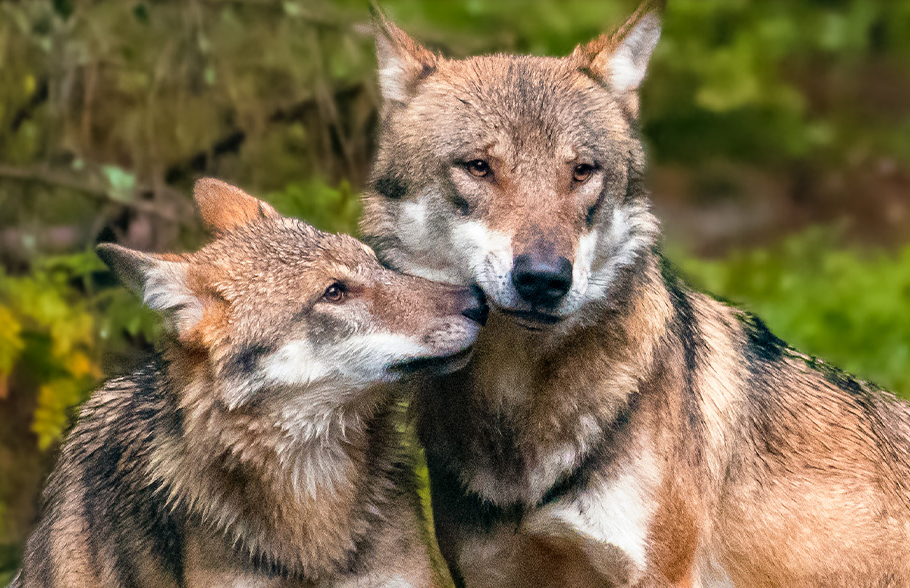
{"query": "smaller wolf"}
[(259, 448)]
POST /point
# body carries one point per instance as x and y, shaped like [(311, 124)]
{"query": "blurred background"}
[(778, 131)]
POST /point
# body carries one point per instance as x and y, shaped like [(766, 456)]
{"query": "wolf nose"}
[(542, 282), (474, 305)]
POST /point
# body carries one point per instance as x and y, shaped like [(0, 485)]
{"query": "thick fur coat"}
[(614, 428)]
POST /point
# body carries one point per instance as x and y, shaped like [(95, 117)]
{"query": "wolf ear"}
[(402, 61), (621, 59), (162, 285), (225, 207)]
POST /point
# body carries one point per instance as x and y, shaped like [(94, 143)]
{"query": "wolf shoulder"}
[(98, 511)]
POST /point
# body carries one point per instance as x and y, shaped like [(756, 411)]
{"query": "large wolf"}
[(614, 428), (260, 448)]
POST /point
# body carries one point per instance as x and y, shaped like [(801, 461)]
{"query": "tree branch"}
[(57, 179)]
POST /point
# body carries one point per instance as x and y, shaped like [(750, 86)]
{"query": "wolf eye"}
[(479, 168), (335, 292), (582, 172)]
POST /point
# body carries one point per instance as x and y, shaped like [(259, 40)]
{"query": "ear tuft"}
[(621, 60), (629, 61), (162, 284), (402, 61), (225, 207)]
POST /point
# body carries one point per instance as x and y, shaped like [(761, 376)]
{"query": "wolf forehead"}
[(280, 245), (538, 100)]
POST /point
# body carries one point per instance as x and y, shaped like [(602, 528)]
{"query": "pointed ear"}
[(225, 207), (621, 60), (162, 285), (402, 61)]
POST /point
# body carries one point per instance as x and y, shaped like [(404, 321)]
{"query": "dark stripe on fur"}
[(766, 348), (263, 564), (591, 215), (861, 391), (100, 479), (599, 458), (474, 512), (684, 321), (684, 327), (381, 244), (164, 523), (482, 515), (763, 344), (393, 475), (457, 578), (390, 187), (244, 361), (106, 459)]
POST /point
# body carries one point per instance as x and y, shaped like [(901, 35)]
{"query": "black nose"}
[(542, 282), (475, 305)]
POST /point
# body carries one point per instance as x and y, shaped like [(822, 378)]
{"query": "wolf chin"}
[(614, 427)]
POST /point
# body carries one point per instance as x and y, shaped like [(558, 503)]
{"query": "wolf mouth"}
[(531, 319), (435, 365)]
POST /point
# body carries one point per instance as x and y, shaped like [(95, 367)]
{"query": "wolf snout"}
[(472, 304), (541, 281)]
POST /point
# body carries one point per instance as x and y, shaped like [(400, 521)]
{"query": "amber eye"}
[(479, 168), (582, 172), (335, 292)]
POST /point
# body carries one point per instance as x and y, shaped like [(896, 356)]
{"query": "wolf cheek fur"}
[(616, 429), (260, 448)]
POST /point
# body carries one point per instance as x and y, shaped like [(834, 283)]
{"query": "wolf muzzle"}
[(541, 280)]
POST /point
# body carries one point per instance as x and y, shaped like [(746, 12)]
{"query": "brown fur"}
[(633, 432), (260, 447)]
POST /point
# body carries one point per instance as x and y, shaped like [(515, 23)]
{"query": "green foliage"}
[(11, 343), (109, 110), (55, 329), (161, 84), (331, 209), (740, 80), (8, 563), (849, 307)]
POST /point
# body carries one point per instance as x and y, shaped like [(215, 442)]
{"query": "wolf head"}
[(520, 174), (273, 303)]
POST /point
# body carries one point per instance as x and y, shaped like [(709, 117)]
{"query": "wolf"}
[(614, 427), (260, 447)]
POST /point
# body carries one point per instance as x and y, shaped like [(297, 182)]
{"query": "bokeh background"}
[(778, 130)]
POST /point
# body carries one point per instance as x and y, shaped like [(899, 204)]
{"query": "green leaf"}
[(121, 183)]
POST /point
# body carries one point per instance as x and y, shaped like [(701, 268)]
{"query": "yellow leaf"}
[(80, 365), (11, 343), (51, 415), (72, 331)]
